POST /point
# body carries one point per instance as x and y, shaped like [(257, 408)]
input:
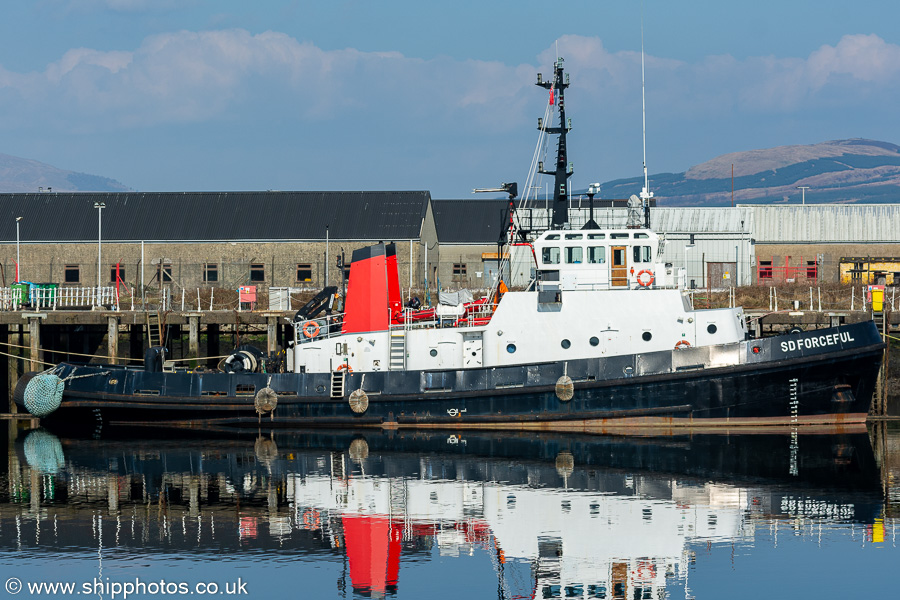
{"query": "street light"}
[(803, 189), (17, 248), (99, 206)]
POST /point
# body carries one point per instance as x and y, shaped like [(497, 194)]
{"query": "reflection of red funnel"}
[(373, 551)]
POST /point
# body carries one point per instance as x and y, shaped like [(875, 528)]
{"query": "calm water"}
[(446, 515)]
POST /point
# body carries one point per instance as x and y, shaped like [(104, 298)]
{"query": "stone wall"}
[(785, 257)]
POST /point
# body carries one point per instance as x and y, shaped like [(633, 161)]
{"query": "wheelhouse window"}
[(574, 236), (641, 254), (619, 236), (257, 272), (550, 256), (210, 272), (304, 272), (73, 274), (596, 236), (574, 255), (596, 254)]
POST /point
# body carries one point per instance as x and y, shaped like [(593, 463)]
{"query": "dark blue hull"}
[(796, 383)]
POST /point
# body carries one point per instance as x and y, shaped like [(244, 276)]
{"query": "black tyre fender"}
[(19, 394)]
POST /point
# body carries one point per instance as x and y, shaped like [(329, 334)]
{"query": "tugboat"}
[(605, 336)]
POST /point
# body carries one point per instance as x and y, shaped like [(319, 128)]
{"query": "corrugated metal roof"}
[(470, 221), (826, 223), (701, 220), (667, 219), (216, 216)]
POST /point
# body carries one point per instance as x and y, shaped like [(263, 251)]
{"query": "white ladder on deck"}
[(337, 384), (398, 350)]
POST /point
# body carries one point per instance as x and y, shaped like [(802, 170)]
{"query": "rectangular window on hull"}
[(574, 255), (641, 254), (596, 254), (550, 256)]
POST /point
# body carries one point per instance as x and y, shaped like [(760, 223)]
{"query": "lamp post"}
[(99, 206), (803, 189), (17, 249)]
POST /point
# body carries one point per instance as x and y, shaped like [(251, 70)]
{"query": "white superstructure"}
[(595, 294)]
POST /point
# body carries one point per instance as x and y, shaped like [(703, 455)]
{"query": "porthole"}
[(320, 388), (432, 352), (629, 370), (647, 336), (595, 341), (511, 348), (711, 328), (566, 344)]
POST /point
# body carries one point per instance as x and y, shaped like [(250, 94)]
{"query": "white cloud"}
[(189, 76)]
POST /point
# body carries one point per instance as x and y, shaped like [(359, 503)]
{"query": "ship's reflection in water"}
[(445, 515)]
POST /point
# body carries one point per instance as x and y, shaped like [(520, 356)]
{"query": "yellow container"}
[(877, 300)]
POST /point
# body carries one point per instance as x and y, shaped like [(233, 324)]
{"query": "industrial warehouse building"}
[(214, 239), (294, 239)]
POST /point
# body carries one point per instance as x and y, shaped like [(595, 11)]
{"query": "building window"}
[(210, 272), (304, 272), (765, 269), (73, 274), (164, 272), (459, 268), (114, 270), (257, 272), (812, 269)]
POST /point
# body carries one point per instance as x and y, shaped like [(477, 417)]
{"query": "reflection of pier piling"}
[(33, 341)]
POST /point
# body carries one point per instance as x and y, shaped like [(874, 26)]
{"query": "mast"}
[(561, 173), (646, 194)]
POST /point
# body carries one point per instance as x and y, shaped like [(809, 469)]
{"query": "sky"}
[(196, 95)]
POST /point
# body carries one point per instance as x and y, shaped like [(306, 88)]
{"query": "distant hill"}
[(24, 175), (843, 171)]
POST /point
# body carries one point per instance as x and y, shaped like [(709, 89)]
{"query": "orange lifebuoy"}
[(650, 282), (345, 366), (310, 329), (682, 344), (312, 520)]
